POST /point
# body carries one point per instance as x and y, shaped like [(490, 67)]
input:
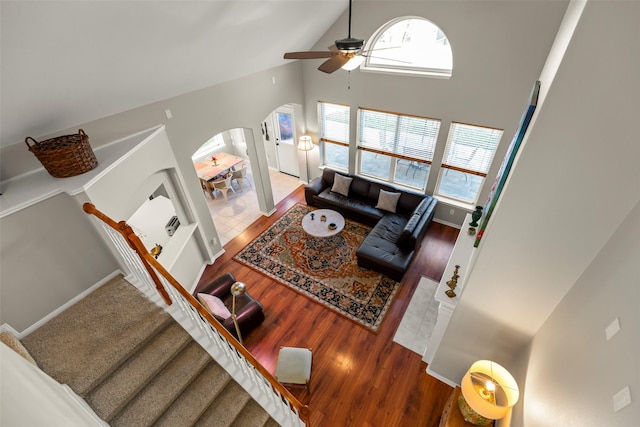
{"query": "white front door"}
[(286, 150)]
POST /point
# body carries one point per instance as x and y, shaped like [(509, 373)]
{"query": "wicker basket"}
[(64, 156)]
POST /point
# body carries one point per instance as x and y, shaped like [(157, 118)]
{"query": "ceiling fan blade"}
[(333, 48), (333, 64), (309, 54)]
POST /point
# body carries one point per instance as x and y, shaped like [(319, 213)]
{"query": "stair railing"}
[(221, 344)]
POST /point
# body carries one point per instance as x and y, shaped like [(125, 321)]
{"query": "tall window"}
[(396, 148), (468, 155), (410, 45), (334, 134)]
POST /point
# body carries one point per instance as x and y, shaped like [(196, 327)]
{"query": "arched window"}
[(409, 45)]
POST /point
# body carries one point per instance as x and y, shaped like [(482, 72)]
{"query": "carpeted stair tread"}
[(146, 407), (113, 393), (81, 358), (193, 401), (226, 407), (251, 415)]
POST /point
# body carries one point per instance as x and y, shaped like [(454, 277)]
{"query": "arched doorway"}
[(240, 208)]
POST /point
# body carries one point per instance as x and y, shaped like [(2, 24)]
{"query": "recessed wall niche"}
[(150, 219)]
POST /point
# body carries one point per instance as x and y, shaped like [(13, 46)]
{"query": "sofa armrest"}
[(219, 287), (315, 187), (427, 210), (426, 219)]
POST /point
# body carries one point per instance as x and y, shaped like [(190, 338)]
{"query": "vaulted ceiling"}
[(69, 62)]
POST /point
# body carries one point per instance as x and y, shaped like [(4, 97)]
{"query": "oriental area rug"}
[(324, 269)]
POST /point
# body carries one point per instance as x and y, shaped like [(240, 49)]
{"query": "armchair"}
[(249, 312)]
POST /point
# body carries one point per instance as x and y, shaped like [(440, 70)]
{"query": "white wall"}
[(573, 371), (499, 49), (572, 186), (49, 253)]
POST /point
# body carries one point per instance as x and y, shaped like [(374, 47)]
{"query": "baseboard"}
[(271, 212), (68, 304), (441, 378), (5, 327), (450, 224)]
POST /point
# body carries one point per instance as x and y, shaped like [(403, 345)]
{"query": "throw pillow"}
[(341, 184), (215, 306), (388, 200)]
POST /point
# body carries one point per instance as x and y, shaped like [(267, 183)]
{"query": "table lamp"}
[(488, 393)]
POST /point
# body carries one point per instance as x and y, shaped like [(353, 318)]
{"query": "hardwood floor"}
[(358, 378)]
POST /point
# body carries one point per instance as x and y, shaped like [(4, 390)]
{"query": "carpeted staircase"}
[(135, 366)]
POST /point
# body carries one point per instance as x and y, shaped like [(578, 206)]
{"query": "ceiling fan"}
[(339, 53)]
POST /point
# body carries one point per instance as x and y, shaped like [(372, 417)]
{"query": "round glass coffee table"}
[(323, 223)]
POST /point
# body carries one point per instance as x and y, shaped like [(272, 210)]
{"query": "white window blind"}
[(471, 148), (334, 122), (402, 136)]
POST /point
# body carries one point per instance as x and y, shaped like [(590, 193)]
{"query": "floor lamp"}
[(305, 144), (237, 289)]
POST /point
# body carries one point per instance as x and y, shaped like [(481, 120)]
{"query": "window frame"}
[(323, 140), (481, 171), (433, 72), (216, 141), (399, 129)]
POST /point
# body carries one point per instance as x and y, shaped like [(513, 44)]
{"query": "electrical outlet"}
[(451, 211), (214, 241), (167, 113)]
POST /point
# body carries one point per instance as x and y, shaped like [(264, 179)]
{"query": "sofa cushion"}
[(360, 188), (341, 184), (374, 190), (327, 176), (215, 306), (379, 251), (387, 201), (409, 201), (351, 207), (389, 227)]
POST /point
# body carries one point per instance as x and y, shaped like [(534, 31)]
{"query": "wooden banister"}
[(152, 265), (134, 242)]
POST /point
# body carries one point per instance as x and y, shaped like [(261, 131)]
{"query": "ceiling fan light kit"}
[(345, 53)]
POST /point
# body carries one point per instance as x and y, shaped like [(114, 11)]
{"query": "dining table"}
[(216, 165)]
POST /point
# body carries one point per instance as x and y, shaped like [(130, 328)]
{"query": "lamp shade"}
[(305, 143), (488, 389), (353, 63)]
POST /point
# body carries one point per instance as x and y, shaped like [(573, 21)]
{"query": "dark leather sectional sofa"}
[(392, 243)]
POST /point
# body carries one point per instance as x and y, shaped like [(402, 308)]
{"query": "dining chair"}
[(224, 185), (207, 187), (240, 175)]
